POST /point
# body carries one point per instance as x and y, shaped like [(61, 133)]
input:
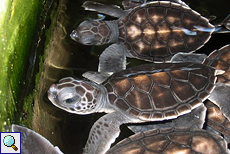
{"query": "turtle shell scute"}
[(219, 59), (154, 92), (155, 31), (168, 141)]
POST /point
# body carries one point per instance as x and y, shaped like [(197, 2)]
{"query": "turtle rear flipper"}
[(188, 57), (221, 97), (32, 142), (111, 10), (113, 59), (226, 24)]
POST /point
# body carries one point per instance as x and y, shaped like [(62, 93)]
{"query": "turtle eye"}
[(72, 100)]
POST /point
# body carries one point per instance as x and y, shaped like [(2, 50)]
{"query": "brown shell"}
[(167, 142), (220, 59), (216, 120), (160, 91), (147, 31)]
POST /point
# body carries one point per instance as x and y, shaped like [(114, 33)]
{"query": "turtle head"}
[(75, 96), (92, 32)]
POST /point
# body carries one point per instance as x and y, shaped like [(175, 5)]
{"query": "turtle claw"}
[(221, 97)]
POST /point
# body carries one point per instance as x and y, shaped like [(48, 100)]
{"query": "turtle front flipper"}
[(221, 97), (98, 77), (113, 59), (104, 132), (32, 142), (111, 10)]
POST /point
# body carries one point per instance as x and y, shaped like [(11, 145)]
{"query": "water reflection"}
[(64, 57)]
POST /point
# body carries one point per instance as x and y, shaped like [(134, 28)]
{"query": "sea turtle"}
[(150, 92), (215, 119), (169, 141), (158, 141), (34, 143), (153, 31)]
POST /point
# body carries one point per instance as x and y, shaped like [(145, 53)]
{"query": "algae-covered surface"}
[(18, 25)]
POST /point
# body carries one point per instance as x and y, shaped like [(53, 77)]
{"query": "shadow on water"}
[(64, 57)]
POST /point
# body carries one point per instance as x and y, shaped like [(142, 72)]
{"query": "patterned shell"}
[(155, 92), (217, 121), (219, 59), (156, 31), (166, 142)]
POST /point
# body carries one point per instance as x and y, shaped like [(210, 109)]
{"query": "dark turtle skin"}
[(171, 142), (155, 31)]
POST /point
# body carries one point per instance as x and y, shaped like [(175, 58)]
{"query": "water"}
[(64, 57)]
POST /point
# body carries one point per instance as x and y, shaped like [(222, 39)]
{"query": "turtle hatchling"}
[(34, 143), (160, 141), (171, 142), (152, 31), (150, 92), (215, 119)]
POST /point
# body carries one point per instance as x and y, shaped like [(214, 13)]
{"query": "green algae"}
[(18, 27)]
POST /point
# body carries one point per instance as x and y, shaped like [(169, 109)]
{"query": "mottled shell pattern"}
[(216, 120), (154, 92), (219, 59), (171, 142), (156, 30)]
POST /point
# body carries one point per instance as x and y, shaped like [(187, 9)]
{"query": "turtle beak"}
[(74, 35), (52, 94)]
